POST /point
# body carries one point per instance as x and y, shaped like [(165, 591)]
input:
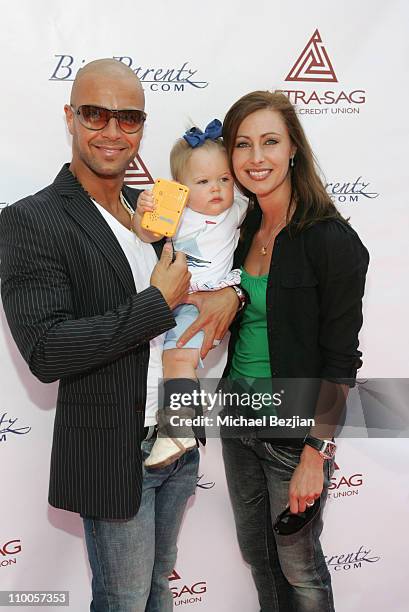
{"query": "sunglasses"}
[(96, 117), (288, 523)]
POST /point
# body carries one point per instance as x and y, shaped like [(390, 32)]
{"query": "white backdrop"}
[(343, 63)]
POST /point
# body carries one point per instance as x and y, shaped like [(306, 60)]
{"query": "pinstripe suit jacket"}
[(71, 304)]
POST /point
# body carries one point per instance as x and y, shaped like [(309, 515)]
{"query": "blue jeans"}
[(289, 572), (132, 559)]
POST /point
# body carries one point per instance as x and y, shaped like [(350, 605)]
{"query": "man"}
[(83, 299)]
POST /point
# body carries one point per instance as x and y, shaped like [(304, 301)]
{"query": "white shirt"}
[(142, 259), (209, 242)]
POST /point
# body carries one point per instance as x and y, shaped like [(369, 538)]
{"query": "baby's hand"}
[(145, 203)]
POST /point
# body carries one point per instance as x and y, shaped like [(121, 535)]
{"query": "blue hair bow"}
[(196, 137)]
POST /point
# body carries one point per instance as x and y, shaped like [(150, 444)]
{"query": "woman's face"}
[(262, 152)]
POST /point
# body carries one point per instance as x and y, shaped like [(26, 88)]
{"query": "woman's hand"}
[(217, 310), (307, 481)]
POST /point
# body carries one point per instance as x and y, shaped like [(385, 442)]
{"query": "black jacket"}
[(71, 304), (314, 300)]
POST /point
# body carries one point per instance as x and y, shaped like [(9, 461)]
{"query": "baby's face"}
[(208, 177)]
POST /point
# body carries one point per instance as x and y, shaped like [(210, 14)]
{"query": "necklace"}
[(263, 250), (127, 207)]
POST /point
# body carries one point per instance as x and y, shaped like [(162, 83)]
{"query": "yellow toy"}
[(170, 199)]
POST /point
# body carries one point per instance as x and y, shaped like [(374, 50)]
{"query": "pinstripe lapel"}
[(79, 206)]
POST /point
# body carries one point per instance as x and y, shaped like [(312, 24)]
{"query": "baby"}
[(208, 234)]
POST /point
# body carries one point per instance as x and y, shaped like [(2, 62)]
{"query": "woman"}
[(304, 269)]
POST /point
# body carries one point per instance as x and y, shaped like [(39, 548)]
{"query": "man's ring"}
[(311, 503), (216, 342)]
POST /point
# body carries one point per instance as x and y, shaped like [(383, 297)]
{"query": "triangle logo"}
[(137, 173), (174, 576), (313, 65)]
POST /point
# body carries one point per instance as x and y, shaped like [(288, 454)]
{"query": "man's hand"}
[(217, 310), (172, 279), (307, 480)]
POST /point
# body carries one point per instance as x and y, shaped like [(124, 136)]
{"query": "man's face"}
[(107, 152)]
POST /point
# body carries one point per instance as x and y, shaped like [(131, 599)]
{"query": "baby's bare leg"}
[(180, 363)]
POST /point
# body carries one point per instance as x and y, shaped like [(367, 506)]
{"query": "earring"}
[(292, 161)]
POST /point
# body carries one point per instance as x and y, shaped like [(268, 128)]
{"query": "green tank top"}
[(251, 355)]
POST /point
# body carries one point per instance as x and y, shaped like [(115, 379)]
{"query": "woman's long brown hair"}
[(310, 201)]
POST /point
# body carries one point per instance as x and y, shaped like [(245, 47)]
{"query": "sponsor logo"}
[(204, 485), (8, 552), (159, 78), (315, 67), (187, 593), (342, 485), (137, 173), (351, 560), (174, 576), (313, 63), (8, 426), (351, 192)]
